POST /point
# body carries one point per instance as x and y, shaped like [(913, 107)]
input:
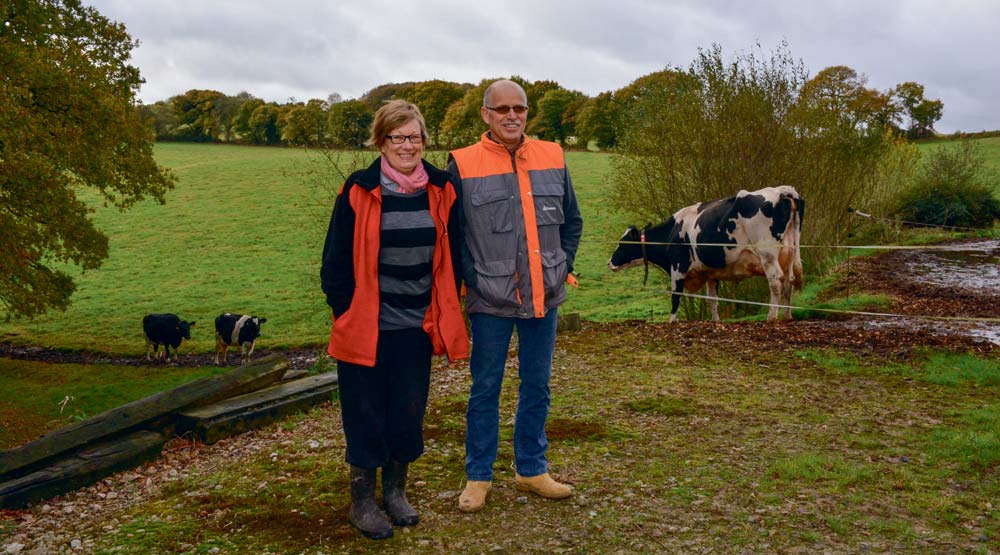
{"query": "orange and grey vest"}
[(521, 223)]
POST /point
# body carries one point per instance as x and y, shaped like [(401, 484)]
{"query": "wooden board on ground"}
[(29, 457), (292, 375), (82, 468), (220, 420), (276, 365)]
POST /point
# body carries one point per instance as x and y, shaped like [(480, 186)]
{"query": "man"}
[(522, 227)]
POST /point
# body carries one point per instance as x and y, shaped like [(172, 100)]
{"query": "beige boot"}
[(474, 496), (543, 485)]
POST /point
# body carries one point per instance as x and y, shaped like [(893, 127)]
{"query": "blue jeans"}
[(490, 342)]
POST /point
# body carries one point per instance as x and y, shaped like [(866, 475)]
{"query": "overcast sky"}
[(302, 49)]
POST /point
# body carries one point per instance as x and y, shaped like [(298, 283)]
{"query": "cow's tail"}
[(795, 227)]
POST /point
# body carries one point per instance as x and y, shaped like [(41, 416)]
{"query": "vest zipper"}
[(517, 276)]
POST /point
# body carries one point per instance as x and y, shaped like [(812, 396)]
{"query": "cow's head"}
[(184, 328), (252, 329), (629, 251)]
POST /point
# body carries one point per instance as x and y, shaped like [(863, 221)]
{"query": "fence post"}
[(850, 234)]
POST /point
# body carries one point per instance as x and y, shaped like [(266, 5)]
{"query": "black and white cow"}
[(762, 226), (236, 329), (167, 330)]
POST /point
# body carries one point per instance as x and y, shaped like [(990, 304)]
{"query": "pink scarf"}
[(407, 183)]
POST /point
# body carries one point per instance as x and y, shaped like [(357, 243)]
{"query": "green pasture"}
[(990, 148), (243, 232)]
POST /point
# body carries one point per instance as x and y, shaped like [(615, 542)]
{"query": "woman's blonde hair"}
[(394, 114)]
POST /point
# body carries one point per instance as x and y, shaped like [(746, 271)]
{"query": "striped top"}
[(405, 258)]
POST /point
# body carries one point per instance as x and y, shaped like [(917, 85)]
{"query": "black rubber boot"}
[(365, 514), (394, 494)]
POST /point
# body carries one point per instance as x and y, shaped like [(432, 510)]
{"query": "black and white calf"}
[(167, 330), (236, 329), (750, 234)]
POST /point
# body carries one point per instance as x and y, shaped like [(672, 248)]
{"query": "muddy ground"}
[(963, 282), (298, 358)]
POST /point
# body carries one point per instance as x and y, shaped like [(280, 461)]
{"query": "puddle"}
[(978, 330), (989, 332), (971, 266)]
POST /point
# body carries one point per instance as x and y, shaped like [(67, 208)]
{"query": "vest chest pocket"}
[(548, 203), (491, 210)]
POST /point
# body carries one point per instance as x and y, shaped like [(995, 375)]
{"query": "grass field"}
[(990, 148), (243, 232)]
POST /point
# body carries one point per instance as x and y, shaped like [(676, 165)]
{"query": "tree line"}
[(451, 110)]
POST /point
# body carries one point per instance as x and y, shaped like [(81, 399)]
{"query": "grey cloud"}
[(306, 49)]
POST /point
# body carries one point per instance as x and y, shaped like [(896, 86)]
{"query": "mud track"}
[(915, 292), (299, 358)]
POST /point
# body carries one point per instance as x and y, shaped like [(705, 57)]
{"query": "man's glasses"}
[(400, 139), (504, 110)]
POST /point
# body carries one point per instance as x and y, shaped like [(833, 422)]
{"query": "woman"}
[(391, 274)]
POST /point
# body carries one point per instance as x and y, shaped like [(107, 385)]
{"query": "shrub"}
[(758, 121), (952, 188)]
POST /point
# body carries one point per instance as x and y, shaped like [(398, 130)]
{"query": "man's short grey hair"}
[(488, 95)]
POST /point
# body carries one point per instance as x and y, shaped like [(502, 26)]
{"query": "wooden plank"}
[(294, 375), (277, 366), (237, 415), (82, 468), (31, 456)]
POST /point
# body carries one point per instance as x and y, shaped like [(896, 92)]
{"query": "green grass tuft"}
[(958, 369), (815, 467), (841, 363), (973, 443)]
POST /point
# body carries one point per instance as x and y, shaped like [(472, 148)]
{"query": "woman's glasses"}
[(400, 139)]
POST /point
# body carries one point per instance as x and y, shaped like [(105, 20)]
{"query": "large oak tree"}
[(434, 98), (67, 122), (348, 123), (556, 116), (923, 112)]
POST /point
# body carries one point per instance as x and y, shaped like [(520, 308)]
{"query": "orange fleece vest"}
[(354, 336)]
